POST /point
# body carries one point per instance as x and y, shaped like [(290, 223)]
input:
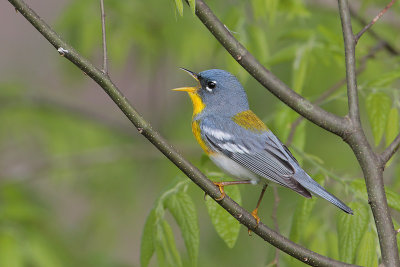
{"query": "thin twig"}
[(334, 88), (390, 150), (243, 216), (103, 33), (391, 49), (373, 21)]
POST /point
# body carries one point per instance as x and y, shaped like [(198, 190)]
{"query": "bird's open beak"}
[(189, 89)]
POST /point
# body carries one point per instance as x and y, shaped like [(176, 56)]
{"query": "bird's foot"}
[(254, 213)]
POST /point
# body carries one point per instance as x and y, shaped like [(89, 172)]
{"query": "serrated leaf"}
[(226, 226), (393, 198), (192, 4), (351, 229), (392, 126), (165, 246), (147, 242), (302, 214), (300, 218), (183, 210), (366, 252), (179, 7), (378, 107)]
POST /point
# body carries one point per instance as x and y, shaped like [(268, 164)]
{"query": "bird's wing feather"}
[(261, 153)]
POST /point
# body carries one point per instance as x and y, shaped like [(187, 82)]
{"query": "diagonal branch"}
[(390, 150), (243, 216), (312, 112), (369, 25)]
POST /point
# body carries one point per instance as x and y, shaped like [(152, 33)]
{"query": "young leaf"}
[(366, 252), (182, 208), (226, 226), (179, 6), (300, 65), (300, 218), (392, 126), (165, 247), (302, 214), (350, 230), (147, 243), (378, 107), (393, 198), (192, 4)]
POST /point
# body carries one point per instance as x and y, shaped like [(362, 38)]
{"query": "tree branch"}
[(158, 141), (369, 161), (317, 115), (391, 49), (349, 50), (390, 150), (103, 31), (369, 25)]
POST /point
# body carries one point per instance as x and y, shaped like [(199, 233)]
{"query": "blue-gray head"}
[(218, 92)]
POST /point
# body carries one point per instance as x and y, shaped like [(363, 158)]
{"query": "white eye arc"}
[(211, 85)]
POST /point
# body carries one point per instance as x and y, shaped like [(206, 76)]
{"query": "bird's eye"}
[(211, 85)]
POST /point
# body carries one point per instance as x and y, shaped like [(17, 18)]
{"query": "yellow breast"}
[(197, 135)]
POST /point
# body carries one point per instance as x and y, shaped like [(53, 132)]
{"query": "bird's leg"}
[(255, 211), (222, 184)]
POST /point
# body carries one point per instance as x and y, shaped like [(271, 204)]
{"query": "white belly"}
[(234, 169)]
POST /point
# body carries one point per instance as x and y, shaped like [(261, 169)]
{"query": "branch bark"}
[(369, 161), (390, 150), (144, 128)]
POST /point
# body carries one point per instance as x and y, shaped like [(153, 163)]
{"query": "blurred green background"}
[(76, 179)]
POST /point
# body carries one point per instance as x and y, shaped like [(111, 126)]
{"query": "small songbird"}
[(239, 143)]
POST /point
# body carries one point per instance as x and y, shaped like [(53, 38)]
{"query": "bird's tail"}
[(317, 189)]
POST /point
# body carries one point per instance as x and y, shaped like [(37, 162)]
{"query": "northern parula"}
[(239, 143)]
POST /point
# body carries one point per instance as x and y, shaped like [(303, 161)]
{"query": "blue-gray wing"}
[(261, 153)]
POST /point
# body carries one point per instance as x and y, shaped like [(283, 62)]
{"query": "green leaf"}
[(302, 214), (226, 226), (283, 55), (366, 252), (378, 108), (192, 4), (393, 198), (147, 243), (300, 218), (385, 80), (179, 6), (10, 250), (182, 208), (351, 229), (392, 126), (165, 247), (299, 68)]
